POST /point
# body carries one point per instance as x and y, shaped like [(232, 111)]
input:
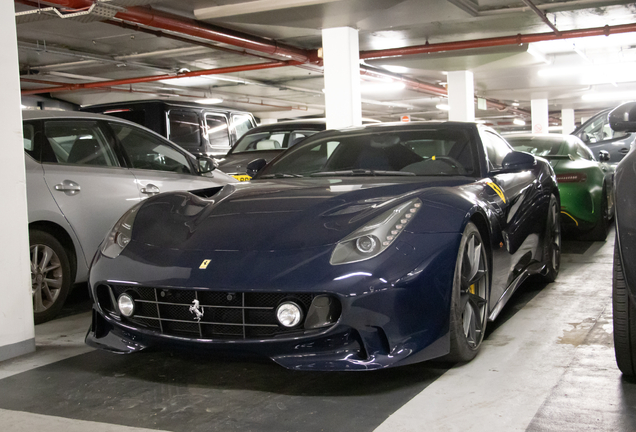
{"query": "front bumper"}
[(394, 308)]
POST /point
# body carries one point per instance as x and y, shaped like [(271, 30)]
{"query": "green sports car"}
[(585, 183)]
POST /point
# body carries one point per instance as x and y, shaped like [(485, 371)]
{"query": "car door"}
[(598, 135), (83, 172), (159, 166), (521, 214)]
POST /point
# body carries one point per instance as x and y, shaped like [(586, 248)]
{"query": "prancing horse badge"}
[(204, 264)]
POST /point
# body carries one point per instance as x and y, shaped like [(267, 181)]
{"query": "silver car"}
[(83, 171)]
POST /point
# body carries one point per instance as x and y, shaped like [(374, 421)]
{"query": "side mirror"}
[(623, 117), (603, 156), (206, 164), (518, 161), (255, 166)]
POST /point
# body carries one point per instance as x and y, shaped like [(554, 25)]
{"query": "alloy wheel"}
[(473, 287), (46, 277)]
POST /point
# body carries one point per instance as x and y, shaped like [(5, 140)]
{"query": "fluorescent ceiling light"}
[(519, 122), (595, 74), (609, 96), (396, 69), (442, 107), (209, 101), (382, 87)]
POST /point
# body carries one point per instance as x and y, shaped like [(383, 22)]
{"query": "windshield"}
[(272, 140), (538, 146), (441, 151)]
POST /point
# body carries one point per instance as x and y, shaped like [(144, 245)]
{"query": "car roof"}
[(56, 114), (168, 103), (312, 124)]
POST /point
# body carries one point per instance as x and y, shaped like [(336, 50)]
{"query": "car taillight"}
[(571, 178)]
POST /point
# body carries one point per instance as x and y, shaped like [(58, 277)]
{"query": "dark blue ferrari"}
[(357, 249)]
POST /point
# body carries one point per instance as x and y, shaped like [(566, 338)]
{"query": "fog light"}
[(289, 314), (126, 305)]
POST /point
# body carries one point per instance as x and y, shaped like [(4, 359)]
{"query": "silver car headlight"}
[(376, 236), (120, 235)]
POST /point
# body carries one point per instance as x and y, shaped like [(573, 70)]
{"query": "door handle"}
[(150, 189), (624, 150), (69, 187)]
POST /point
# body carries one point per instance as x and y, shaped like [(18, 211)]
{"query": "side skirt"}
[(532, 269)]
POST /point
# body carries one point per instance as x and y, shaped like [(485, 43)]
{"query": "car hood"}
[(237, 163), (276, 215)]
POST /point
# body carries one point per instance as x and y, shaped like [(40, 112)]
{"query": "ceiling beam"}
[(251, 7), (127, 81)]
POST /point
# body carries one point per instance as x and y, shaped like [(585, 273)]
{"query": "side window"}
[(147, 151), (217, 131), (297, 136), (79, 142), (242, 124), (28, 132), (496, 148), (184, 128), (599, 130)]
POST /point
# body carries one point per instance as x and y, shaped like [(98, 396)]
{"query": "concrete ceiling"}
[(564, 71)]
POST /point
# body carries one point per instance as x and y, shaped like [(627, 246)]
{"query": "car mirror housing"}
[(623, 118), (255, 166), (518, 161), (206, 164), (603, 156)]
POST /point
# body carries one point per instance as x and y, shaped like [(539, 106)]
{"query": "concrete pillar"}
[(539, 109), (567, 120), (341, 59), (16, 304), (461, 96)]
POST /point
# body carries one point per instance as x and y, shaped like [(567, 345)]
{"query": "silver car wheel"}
[(46, 277)]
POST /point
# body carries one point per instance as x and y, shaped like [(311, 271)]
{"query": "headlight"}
[(376, 236), (120, 235)]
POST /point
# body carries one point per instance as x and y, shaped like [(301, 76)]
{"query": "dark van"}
[(200, 129)]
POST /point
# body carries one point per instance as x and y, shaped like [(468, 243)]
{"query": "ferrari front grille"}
[(204, 314)]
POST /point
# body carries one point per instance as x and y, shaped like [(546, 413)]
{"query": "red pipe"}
[(198, 29), (497, 41), (110, 83)]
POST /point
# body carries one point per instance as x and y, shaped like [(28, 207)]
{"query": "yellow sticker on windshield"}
[(498, 191)]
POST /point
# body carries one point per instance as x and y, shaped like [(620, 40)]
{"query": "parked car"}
[(356, 249), (267, 142), (597, 134), (585, 184), (200, 129), (623, 119), (83, 171)]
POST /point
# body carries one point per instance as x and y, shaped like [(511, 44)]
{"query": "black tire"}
[(599, 232), (469, 299), (624, 312), (552, 242), (50, 275)]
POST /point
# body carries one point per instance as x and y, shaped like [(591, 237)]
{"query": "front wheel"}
[(50, 275), (624, 312), (469, 300)]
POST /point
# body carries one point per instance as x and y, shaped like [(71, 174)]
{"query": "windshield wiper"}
[(281, 175), (361, 172)]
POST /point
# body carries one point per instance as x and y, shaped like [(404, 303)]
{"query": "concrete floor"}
[(547, 365)]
